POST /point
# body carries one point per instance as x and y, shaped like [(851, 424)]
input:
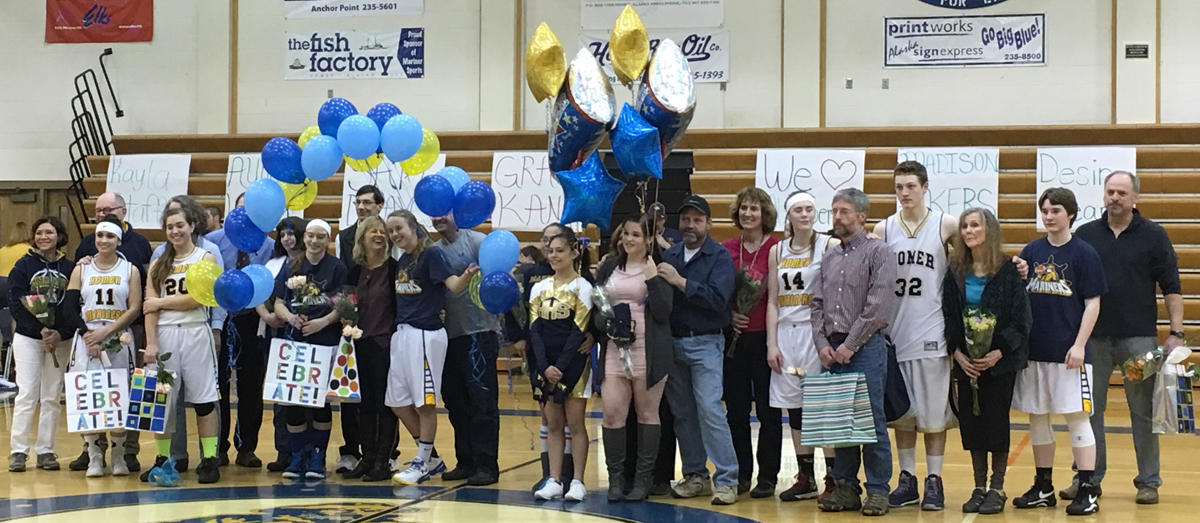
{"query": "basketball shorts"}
[(415, 375), (796, 343), (193, 359), (928, 383), (1051, 388)]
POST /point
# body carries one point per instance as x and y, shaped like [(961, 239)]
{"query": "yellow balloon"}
[(366, 164), (299, 195), (426, 156), (308, 134), (200, 278), (474, 289), (545, 65), (629, 46)]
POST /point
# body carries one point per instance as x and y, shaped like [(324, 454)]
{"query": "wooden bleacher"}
[(1168, 165)]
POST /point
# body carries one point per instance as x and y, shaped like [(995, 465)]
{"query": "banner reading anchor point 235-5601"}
[(320, 55)]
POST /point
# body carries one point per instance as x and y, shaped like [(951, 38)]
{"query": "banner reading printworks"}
[(323, 55)]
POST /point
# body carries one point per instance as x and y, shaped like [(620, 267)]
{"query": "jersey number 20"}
[(170, 284)]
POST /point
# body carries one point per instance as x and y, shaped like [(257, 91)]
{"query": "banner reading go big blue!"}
[(320, 55)]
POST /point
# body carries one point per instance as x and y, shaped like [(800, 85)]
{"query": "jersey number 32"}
[(913, 287)]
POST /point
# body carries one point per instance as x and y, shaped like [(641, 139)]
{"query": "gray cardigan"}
[(659, 349)]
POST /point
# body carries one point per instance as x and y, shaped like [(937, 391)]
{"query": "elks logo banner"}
[(92, 21)]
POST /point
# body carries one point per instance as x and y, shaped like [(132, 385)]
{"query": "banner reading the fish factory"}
[(321, 55), (707, 51)]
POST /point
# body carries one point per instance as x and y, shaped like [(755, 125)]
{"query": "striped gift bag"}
[(837, 411)]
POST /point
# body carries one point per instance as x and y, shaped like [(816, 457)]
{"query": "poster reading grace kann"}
[(820, 172)]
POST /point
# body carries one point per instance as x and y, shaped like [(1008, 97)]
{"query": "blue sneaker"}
[(935, 499), (906, 492), (296, 466), (436, 466), (316, 466)]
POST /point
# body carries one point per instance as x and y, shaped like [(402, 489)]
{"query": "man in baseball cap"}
[(665, 236)]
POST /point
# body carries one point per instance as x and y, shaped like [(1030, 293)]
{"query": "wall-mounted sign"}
[(962, 4)]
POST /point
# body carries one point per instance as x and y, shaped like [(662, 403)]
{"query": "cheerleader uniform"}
[(558, 320)]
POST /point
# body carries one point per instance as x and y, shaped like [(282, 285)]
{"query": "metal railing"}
[(91, 131)]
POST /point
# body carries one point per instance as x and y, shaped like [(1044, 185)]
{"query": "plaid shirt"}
[(854, 293)]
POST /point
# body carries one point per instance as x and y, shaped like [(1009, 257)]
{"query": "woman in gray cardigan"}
[(635, 354)]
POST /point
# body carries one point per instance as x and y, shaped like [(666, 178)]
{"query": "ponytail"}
[(162, 268)]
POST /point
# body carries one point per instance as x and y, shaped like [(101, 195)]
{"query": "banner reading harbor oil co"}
[(320, 55)]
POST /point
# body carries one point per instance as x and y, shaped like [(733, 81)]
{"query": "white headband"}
[(320, 224), (798, 198), (110, 228)]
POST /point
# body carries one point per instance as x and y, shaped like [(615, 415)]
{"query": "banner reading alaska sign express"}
[(964, 40), (322, 55)]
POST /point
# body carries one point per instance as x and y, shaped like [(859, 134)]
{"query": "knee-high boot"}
[(648, 437), (368, 439), (614, 458), (384, 440)]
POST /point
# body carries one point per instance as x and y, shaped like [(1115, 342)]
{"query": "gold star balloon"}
[(545, 66), (629, 46)]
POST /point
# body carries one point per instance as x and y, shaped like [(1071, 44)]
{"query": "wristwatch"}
[(1177, 334)]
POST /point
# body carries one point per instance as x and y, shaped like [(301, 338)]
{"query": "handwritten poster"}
[(1082, 170), (821, 172), (244, 169), (147, 181), (96, 399), (394, 183), (528, 197), (959, 177), (297, 373)]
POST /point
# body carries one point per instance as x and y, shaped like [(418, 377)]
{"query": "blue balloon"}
[(332, 112), (473, 204), (321, 158), (265, 203), (233, 290), (636, 146), (281, 159), (499, 251), (498, 292), (434, 196), (381, 113), (358, 136), (456, 176), (264, 283), (401, 137), (242, 231), (589, 193)]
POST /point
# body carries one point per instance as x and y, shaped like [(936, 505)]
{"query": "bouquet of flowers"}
[(114, 342), (346, 305), (166, 379), (1149, 363), (619, 325), (305, 295), (40, 307), (979, 328), (748, 288)]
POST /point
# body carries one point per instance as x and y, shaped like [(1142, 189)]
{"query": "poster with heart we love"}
[(820, 172)]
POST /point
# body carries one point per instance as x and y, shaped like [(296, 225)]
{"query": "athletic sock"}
[(979, 465), (432, 454), (208, 447), (320, 439), (934, 464), (118, 442), (1045, 475), (806, 462), (908, 460), (543, 431), (297, 441), (567, 440), (999, 467), (424, 451), (163, 447), (1085, 476)]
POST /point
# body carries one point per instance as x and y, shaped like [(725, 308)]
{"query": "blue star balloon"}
[(589, 193), (636, 145)]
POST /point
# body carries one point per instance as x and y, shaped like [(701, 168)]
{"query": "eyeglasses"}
[(108, 210)]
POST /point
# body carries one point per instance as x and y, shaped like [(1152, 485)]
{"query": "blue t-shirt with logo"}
[(1060, 280), (421, 289)]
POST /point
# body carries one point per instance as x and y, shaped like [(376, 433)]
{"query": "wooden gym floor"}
[(247, 495)]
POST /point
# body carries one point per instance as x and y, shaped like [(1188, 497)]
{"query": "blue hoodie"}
[(34, 274)]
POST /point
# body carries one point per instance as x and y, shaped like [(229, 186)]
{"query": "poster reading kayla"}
[(94, 21)]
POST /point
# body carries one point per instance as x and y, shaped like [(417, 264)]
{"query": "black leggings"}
[(298, 416), (374, 362), (748, 380)]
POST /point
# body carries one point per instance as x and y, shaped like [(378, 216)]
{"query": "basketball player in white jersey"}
[(177, 324), (794, 265), (103, 299), (918, 237)]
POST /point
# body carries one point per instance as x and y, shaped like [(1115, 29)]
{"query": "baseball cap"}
[(657, 209), (697, 202)]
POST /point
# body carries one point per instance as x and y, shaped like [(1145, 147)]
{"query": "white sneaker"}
[(95, 465), (393, 466), (416, 473), (550, 489), (436, 466), (346, 463), (119, 467), (576, 492)]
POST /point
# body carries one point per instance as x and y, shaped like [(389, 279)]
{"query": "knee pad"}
[(1040, 431), (204, 409), (1079, 425), (324, 415), (794, 419)]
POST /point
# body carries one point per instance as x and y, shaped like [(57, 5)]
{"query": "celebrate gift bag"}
[(343, 381), (96, 397), (837, 411)]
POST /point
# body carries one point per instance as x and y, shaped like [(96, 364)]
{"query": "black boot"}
[(614, 458), (568, 470), (367, 430), (384, 443), (648, 437)]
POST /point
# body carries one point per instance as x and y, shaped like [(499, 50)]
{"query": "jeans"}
[(694, 392), (471, 394), (876, 458), (39, 383), (748, 381), (1106, 353)]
